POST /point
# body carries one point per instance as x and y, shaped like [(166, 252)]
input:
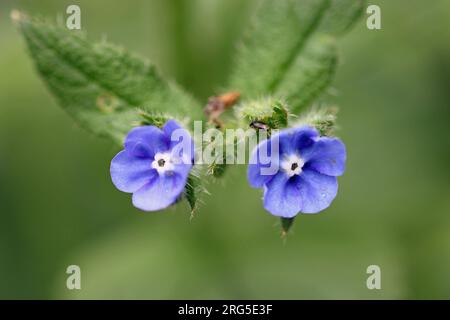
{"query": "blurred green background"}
[(58, 206)]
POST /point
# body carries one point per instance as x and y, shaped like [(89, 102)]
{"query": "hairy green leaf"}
[(100, 85), (310, 74), (323, 118), (285, 51), (157, 119), (286, 224), (265, 112), (276, 34), (341, 15), (194, 189)]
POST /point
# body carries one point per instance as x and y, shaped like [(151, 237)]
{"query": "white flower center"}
[(162, 163), (292, 165)]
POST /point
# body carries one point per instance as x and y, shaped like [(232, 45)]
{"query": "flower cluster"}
[(297, 168)]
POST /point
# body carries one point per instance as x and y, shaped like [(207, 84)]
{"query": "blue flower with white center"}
[(306, 166), (154, 166)]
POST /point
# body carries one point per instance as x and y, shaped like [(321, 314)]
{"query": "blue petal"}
[(170, 126), (259, 163), (295, 139), (182, 169), (179, 139), (326, 156), (146, 141), (317, 190), (282, 196), (159, 193), (129, 173)]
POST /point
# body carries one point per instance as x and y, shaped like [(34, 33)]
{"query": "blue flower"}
[(297, 169), (154, 166)]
